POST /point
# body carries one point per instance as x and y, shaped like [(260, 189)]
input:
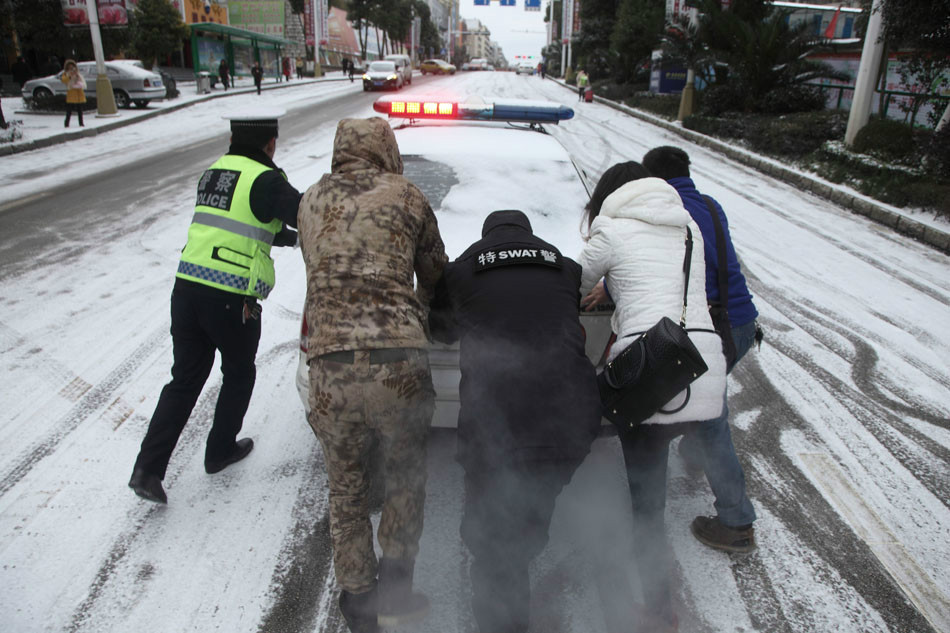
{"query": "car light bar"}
[(513, 110)]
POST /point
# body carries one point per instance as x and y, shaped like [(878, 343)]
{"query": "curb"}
[(871, 209), (7, 150)]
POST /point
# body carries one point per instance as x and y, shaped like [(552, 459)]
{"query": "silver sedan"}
[(130, 84)]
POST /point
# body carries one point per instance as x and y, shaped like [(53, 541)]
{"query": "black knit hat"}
[(511, 217)]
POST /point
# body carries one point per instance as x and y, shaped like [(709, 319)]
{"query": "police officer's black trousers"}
[(201, 324), (505, 525)]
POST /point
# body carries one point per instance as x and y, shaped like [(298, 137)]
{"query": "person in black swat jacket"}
[(529, 402), (243, 207)]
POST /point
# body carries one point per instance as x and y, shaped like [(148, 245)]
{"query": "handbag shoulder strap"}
[(686, 264), (720, 254)]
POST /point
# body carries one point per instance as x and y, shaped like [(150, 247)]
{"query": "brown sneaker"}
[(710, 531)]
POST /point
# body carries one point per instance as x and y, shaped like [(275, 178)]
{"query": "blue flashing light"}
[(531, 112)]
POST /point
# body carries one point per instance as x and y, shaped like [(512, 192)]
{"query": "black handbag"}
[(649, 373)]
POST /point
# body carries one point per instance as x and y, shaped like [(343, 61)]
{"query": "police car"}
[(474, 156)]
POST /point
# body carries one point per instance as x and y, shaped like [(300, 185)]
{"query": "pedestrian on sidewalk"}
[(258, 74), (75, 90), (224, 73), (286, 68), (365, 233), (244, 206), (582, 81), (21, 71), (299, 67), (3, 121)]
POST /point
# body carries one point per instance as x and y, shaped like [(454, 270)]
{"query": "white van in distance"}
[(403, 66)]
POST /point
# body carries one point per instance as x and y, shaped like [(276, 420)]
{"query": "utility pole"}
[(688, 97), (868, 73), (550, 23), (105, 99)]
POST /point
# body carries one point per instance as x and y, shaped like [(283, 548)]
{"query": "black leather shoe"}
[(244, 447), (147, 486)]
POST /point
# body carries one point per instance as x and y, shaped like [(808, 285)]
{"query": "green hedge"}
[(890, 161), (666, 106)]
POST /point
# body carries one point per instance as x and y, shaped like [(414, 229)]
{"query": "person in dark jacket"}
[(258, 74), (529, 402), (672, 165), (224, 73), (21, 71), (243, 207)]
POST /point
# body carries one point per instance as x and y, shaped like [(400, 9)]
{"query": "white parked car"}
[(462, 156), (130, 84)]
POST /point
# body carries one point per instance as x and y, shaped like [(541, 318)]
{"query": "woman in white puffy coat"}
[(634, 257)]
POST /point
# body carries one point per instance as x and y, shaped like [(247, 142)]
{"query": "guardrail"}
[(939, 100)]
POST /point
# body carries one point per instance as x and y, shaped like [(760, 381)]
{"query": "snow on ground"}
[(841, 417)]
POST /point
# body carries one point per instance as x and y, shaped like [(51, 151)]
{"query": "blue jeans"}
[(709, 445)]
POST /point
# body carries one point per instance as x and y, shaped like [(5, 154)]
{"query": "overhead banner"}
[(567, 19), (673, 10), (308, 35), (259, 16), (323, 22)]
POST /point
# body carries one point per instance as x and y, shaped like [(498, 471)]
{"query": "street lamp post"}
[(105, 99)]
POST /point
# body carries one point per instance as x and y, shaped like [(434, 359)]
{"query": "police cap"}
[(255, 119)]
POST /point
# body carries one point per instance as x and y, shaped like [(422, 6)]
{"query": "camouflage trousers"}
[(350, 406)]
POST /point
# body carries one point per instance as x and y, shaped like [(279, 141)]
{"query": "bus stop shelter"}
[(211, 42)]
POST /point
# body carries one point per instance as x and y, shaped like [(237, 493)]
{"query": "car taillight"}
[(147, 83), (304, 333)]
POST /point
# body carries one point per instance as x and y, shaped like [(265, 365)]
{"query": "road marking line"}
[(916, 583), (19, 203)]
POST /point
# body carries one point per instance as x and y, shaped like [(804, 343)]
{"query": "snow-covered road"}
[(841, 419)]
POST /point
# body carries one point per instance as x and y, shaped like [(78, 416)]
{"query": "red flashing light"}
[(418, 109)]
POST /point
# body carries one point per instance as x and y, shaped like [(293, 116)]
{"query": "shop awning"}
[(233, 31)]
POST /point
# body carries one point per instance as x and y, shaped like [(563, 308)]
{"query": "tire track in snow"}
[(305, 563), (788, 493), (927, 459), (92, 401), (191, 440)]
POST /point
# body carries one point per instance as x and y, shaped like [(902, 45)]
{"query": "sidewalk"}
[(931, 233), (46, 129)]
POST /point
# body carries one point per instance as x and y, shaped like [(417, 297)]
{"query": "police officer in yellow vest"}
[(243, 207)]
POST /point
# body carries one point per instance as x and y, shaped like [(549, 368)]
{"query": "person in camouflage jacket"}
[(364, 231)]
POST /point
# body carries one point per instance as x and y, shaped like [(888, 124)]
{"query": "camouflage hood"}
[(365, 144)]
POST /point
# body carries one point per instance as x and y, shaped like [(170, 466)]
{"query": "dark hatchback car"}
[(382, 75)]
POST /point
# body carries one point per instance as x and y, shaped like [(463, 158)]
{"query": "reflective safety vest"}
[(228, 248)]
